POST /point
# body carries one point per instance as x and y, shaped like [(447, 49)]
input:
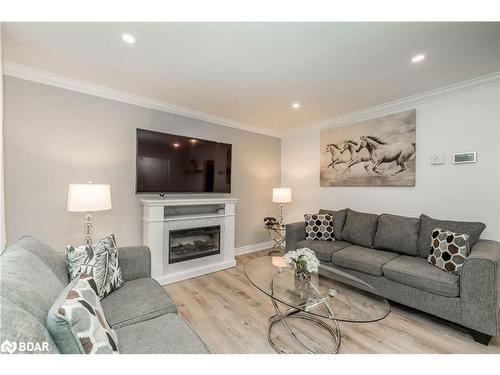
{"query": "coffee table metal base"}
[(291, 313)]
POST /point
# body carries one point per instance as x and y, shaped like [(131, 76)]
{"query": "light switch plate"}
[(437, 159), (464, 157)]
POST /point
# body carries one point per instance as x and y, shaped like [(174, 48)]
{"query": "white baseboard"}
[(252, 248)]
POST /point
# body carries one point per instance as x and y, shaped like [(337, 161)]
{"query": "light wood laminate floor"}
[(231, 316)]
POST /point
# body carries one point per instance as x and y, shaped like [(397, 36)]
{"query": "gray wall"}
[(54, 137)]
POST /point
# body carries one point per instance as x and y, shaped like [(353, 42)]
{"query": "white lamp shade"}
[(89, 197), (282, 195)]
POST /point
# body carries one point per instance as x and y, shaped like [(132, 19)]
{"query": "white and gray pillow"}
[(448, 250), (77, 323), (100, 261), (319, 227)]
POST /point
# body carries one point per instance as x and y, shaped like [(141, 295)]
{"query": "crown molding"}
[(399, 105), (405, 103), (31, 74)]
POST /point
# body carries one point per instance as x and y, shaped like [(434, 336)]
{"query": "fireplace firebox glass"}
[(186, 244)]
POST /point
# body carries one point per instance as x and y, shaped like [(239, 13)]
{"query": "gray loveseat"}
[(390, 252), (141, 312)]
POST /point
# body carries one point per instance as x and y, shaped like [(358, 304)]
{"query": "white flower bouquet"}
[(304, 259)]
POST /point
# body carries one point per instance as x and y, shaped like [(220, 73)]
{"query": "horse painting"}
[(380, 153), (376, 152), (336, 155), (356, 156)]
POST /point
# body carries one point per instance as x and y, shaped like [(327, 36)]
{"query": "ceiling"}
[(251, 73)]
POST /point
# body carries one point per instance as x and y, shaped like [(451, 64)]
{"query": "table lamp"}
[(88, 198), (282, 195)]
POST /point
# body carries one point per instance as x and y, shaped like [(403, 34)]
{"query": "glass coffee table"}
[(320, 301)]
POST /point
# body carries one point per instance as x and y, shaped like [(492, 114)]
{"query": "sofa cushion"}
[(28, 282), (135, 301), (19, 325), (53, 259), (417, 273), (338, 221), (359, 228), (362, 259), (397, 233), (135, 262), (166, 334), (319, 227), (76, 320), (427, 225), (323, 249)]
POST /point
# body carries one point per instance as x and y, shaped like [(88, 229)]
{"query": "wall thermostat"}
[(437, 159), (464, 157)]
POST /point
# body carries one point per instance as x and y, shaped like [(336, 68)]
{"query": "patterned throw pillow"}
[(448, 250), (77, 322), (100, 261), (319, 227)]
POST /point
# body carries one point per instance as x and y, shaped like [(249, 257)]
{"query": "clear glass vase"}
[(302, 273)]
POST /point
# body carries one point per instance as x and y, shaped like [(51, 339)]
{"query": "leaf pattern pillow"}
[(100, 261), (76, 320)]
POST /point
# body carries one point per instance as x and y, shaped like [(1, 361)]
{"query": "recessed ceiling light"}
[(193, 140), (176, 145), (296, 105), (418, 58), (128, 38)]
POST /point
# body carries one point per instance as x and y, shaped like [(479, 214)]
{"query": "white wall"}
[(466, 122)]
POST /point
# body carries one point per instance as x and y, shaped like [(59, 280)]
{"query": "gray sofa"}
[(390, 252), (141, 312)]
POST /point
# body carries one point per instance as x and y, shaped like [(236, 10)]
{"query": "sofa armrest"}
[(135, 262), (295, 232), (480, 287)]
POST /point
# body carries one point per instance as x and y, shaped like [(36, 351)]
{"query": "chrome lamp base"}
[(281, 215), (88, 228)]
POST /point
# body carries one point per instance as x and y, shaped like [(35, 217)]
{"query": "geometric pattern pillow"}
[(319, 227), (448, 250), (77, 322), (99, 260)]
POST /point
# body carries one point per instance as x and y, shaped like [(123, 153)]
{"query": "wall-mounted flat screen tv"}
[(169, 163)]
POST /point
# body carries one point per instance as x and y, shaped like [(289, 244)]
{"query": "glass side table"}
[(278, 235)]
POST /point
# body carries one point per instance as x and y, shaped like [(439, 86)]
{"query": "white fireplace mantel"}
[(187, 201), (156, 227)]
